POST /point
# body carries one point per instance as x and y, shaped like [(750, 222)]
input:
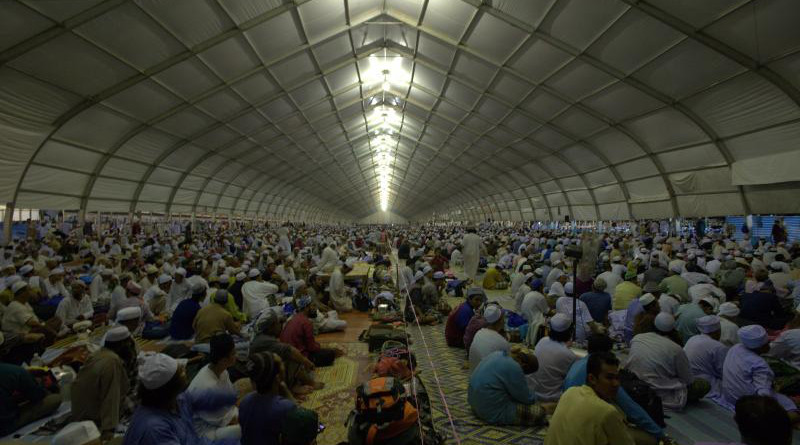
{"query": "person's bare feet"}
[(302, 390)]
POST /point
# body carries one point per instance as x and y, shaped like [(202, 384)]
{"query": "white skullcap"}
[(221, 296), (77, 433), (539, 271), (526, 267), (164, 279), (665, 322), (708, 324), (18, 286), (675, 266), (156, 370), (438, 275), (646, 299), (198, 288), (350, 262), (426, 269), (728, 309), (151, 269), (753, 336), (180, 271), (57, 271), (117, 333), (616, 259), (241, 276), (569, 288), (386, 295), (418, 276), (492, 313), (106, 272), (225, 278), (129, 313), (560, 322), (25, 269), (253, 273)]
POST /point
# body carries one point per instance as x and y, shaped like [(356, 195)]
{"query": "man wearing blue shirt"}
[(498, 390), (634, 413)]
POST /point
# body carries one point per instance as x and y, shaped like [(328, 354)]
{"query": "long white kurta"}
[(706, 357), (484, 343), (69, 309), (663, 365), (328, 260), (555, 360), (254, 296), (209, 423), (471, 245), (340, 294)]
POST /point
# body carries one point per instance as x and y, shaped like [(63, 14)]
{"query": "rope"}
[(430, 359)]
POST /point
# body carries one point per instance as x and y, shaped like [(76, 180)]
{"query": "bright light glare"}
[(386, 69)]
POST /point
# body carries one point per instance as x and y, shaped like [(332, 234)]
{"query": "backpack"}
[(644, 395), (382, 413), (380, 400)]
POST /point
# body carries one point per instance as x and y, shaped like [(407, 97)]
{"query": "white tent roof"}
[(511, 109)]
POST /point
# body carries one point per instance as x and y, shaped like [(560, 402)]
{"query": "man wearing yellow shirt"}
[(494, 278), (626, 292), (585, 415)]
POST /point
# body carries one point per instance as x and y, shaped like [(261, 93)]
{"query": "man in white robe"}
[(75, 307), (99, 288), (328, 260), (341, 295), (471, 245), (663, 364), (488, 339), (256, 293), (706, 354)]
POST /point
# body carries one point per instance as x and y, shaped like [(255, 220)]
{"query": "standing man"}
[(471, 246)]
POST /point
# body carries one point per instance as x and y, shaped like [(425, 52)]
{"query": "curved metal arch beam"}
[(717, 45), (530, 160), (687, 30), (136, 78), (578, 55), (555, 153), (576, 140), (512, 109)]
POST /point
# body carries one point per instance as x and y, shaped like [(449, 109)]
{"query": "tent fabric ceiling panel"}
[(58, 155), (108, 188), (504, 109)]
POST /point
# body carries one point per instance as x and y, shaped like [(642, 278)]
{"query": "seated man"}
[(662, 364), (706, 354), (494, 278), (75, 307), (298, 368), (299, 333), (181, 327), (341, 295), (634, 413), (19, 318), (99, 391), (214, 318), (214, 376), (762, 421), (22, 400), (489, 338), (554, 359), (746, 373), (166, 412), (586, 414), (498, 393), (460, 316)]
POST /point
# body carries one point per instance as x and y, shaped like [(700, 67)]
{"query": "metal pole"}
[(574, 299)]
